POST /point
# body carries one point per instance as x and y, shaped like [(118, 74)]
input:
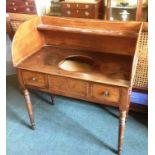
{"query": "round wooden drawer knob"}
[(14, 9), (27, 9), (68, 12), (77, 5), (13, 3), (26, 3), (106, 93), (68, 5), (86, 6), (34, 79), (87, 13), (77, 11)]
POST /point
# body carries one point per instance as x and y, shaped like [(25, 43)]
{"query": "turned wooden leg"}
[(121, 130), (127, 114), (52, 99), (29, 107)]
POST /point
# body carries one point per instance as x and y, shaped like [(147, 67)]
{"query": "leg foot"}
[(119, 152), (29, 108), (33, 127), (52, 99), (127, 114), (122, 119)]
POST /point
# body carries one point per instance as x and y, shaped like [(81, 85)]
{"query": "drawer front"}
[(35, 79), (20, 3), (26, 10), (105, 93), (68, 85), (26, 6), (80, 6), (78, 13)]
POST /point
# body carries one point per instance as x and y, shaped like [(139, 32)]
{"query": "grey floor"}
[(70, 127)]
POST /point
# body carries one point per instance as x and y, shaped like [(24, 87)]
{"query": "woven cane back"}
[(141, 76), (15, 24)]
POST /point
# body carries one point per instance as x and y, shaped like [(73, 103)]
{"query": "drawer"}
[(15, 6), (68, 86), (20, 3), (105, 93), (27, 10), (35, 79), (78, 6), (78, 13)]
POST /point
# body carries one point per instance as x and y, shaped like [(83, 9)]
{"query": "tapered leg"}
[(121, 130), (29, 107), (52, 99), (127, 114)]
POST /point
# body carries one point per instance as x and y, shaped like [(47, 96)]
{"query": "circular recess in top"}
[(77, 63)]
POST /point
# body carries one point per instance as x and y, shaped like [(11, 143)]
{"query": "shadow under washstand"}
[(44, 96), (79, 129), (12, 81), (140, 117), (110, 110), (13, 115)]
